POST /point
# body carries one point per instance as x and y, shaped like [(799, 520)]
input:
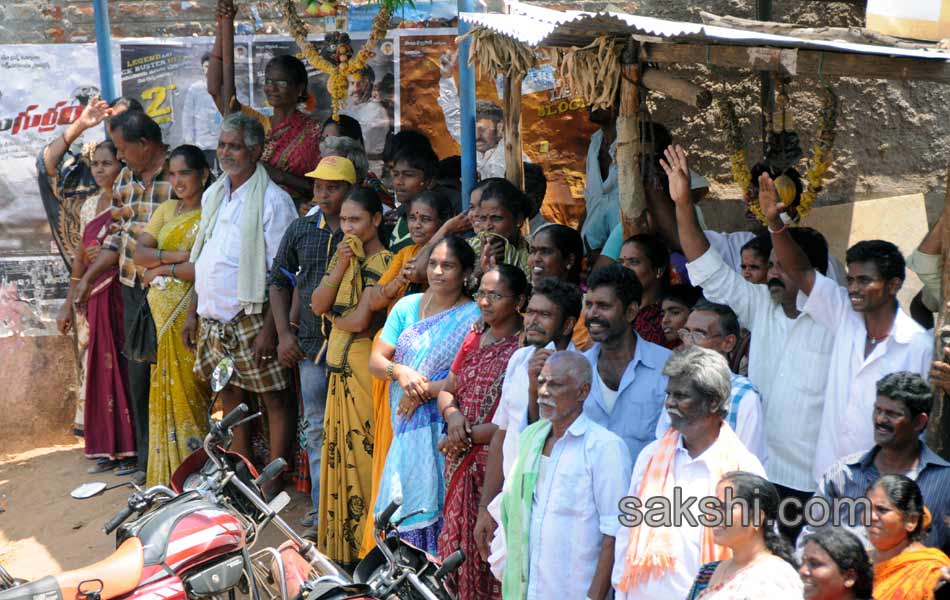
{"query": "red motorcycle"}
[(194, 539)]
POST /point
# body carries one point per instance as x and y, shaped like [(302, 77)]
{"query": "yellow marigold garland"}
[(339, 74), (821, 157), (741, 175)]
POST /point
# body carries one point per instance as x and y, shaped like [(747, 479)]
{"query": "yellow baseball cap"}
[(334, 168)]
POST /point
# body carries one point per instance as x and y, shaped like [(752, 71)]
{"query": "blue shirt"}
[(639, 398)]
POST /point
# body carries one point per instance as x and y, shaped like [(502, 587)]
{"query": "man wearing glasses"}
[(716, 327)]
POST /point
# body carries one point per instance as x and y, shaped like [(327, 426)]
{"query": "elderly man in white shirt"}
[(872, 335), (789, 350), (244, 216), (560, 504), (549, 320), (716, 327), (691, 458)]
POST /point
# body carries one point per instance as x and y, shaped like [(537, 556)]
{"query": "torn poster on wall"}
[(43, 90), (32, 289)]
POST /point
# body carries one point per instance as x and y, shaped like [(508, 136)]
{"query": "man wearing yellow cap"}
[(300, 264)]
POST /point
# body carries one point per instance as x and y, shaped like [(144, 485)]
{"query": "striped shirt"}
[(129, 190), (851, 476)]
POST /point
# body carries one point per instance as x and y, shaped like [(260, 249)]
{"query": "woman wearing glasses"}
[(292, 147), (467, 402)]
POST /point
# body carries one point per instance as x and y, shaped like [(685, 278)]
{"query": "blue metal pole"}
[(467, 106), (104, 49)]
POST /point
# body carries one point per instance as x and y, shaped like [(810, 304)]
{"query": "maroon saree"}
[(108, 423)]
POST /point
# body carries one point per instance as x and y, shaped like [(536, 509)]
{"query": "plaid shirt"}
[(129, 190), (301, 262)]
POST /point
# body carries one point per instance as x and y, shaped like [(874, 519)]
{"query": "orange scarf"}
[(911, 575), (649, 555)]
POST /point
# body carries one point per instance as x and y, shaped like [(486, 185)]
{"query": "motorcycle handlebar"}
[(383, 518), (453, 562), (230, 420), (117, 519)]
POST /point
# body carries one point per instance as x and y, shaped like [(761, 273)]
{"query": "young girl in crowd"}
[(677, 303), (762, 565), (649, 259), (835, 566), (346, 463), (413, 354), (177, 413), (108, 432), (414, 171), (467, 402)]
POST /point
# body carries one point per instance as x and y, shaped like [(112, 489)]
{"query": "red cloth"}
[(294, 145), (478, 375), (107, 419), (648, 325)]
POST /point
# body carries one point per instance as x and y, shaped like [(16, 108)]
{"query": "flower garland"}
[(339, 73), (818, 164), (821, 157)]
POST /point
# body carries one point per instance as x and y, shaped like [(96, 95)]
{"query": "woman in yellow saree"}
[(904, 569), (346, 464), (178, 401)]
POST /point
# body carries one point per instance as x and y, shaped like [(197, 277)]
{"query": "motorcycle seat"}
[(120, 573)]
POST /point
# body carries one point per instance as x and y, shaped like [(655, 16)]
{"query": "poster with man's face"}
[(370, 95)]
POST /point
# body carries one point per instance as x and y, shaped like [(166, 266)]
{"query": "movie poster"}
[(43, 90), (168, 78), (371, 100), (555, 129)]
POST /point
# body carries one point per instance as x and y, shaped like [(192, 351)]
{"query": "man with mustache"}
[(549, 320), (244, 216), (900, 416), (560, 505), (872, 336), (652, 562), (716, 327), (789, 350), (628, 388)]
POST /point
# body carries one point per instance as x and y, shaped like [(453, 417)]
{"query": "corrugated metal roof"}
[(539, 26)]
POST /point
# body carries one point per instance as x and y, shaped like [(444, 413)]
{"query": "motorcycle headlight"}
[(192, 482)]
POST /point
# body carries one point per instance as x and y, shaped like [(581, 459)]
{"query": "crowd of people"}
[(529, 393)]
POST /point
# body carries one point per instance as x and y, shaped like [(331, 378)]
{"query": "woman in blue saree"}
[(415, 350)]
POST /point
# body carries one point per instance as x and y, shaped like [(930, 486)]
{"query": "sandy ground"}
[(44, 531)]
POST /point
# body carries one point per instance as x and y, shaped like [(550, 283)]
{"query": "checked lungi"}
[(235, 338)]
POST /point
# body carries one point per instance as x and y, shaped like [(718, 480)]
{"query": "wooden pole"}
[(938, 434), (676, 88), (629, 151), (514, 164)]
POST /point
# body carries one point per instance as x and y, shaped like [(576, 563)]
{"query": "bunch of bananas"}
[(591, 72)]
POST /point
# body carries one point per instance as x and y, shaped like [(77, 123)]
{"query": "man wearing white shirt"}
[(549, 320), (560, 505), (652, 563), (372, 115), (789, 351), (244, 217), (716, 327), (489, 123), (872, 335)]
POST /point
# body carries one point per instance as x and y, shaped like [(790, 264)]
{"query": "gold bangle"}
[(75, 278), (390, 371), (334, 286)]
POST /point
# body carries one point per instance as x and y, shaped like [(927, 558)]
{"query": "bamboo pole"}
[(629, 150), (514, 165), (938, 434)]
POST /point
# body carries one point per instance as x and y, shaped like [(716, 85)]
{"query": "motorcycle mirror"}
[(88, 490), (222, 374)]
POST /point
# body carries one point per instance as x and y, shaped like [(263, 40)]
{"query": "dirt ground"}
[(44, 531)]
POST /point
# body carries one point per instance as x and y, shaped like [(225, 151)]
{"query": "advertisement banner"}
[(44, 89), (168, 77), (554, 129)]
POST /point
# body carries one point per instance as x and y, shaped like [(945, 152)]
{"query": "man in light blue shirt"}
[(628, 387)]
